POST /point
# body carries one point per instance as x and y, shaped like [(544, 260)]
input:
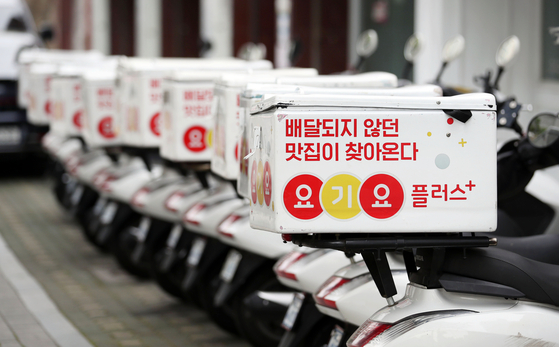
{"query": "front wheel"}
[(259, 332)]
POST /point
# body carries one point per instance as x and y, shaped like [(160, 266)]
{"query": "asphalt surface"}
[(103, 304)]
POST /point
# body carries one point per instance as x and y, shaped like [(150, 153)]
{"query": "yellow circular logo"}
[(209, 139), (339, 196), (260, 183)]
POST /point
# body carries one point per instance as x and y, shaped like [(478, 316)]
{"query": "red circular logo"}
[(381, 196), (155, 123), (301, 196), (194, 138), (106, 127), (237, 152), (48, 108), (267, 183), (253, 189), (77, 119)]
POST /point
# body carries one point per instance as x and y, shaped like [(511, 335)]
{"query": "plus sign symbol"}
[(381, 196), (301, 197)]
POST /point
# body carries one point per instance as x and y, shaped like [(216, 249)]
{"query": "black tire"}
[(122, 245), (170, 280), (90, 224), (205, 290), (259, 332)]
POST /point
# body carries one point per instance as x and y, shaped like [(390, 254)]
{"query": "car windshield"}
[(11, 19)]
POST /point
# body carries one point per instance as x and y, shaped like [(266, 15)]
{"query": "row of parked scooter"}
[(292, 206)]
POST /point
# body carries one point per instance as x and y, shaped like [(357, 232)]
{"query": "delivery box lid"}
[(477, 101), (368, 79)]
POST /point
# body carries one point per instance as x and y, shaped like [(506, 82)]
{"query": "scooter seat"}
[(544, 248), (538, 281)]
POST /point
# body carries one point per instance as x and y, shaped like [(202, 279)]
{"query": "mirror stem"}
[(438, 79), (360, 63), (498, 77), (407, 71)]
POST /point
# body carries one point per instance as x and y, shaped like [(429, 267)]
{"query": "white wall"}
[(148, 31), (78, 24), (484, 25), (101, 26), (354, 29), (216, 26)]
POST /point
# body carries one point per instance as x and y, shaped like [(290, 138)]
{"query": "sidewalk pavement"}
[(58, 290)]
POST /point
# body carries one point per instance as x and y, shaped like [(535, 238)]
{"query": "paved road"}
[(109, 307)]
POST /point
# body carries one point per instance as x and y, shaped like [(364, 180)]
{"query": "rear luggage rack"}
[(373, 248)]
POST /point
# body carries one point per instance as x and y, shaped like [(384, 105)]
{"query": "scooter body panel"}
[(544, 186), (86, 172), (419, 300), (316, 272), (240, 235), (67, 149), (525, 324), (218, 205), (296, 268), (124, 188), (156, 197), (354, 305)]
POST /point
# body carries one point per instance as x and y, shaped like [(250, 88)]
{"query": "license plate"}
[(230, 267), (174, 236), (336, 336), (10, 135), (196, 251), (109, 213), (99, 206), (293, 311), (76, 195), (143, 229)]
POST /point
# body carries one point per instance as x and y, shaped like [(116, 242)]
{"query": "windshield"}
[(12, 19)]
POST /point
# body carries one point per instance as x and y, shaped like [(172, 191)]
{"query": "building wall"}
[(484, 25)]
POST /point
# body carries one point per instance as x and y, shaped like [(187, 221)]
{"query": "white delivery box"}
[(66, 95), (29, 56), (39, 107), (100, 119), (373, 164), (67, 105), (225, 158), (256, 92), (188, 113), (140, 82), (376, 79)]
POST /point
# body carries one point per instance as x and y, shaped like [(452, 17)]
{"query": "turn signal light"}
[(224, 226), (288, 265), (192, 215), (173, 201), (336, 287), (140, 198)]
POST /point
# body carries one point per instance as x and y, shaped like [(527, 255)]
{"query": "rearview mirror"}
[(412, 47), (507, 51), (453, 48), (543, 130), (367, 43), (251, 51)]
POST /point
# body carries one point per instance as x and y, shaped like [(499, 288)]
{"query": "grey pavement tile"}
[(10, 344)]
